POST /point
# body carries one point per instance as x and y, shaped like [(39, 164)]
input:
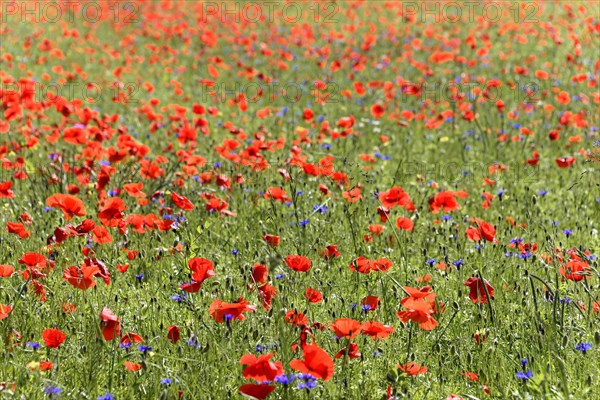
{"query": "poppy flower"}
[(371, 301), (81, 278), (405, 224), (276, 193), (313, 295), (6, 270), (173, 334), (18, 229), (112, 212), (259, 273), (396, 196), (564, 162), (272, 240), (134, 189), (575, 270), (418, 311), (346, 328), (254, 391), (352, 350), (376, 330), (477, 290), (298, 263), (69, 204), (412, 368), (316, 362), (202, 269), (261, 369), (53, 337), (445, 201), (4, 311), (330, 252), (220, 310), (131, 337), (182, 202), (110, 324), (33, 260), (294, 317), (5, 191), (131, 366)]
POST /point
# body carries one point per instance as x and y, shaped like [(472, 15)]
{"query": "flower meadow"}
[(299, 200)]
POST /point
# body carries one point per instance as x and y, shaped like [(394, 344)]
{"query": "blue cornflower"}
[(524, 362), (353, 305), (326, 146), (50, 390), (366, 307), (458, 263), (106, 396), (446, 217), (166, 381), (304, 222), (583, 347), (33, 345), (125, 345), (431, 261), (516, 240), (140, 276), (285, 379), (279, 276), (217, 165), (235, 252), (525, 255), (507, 254), (142, 348), (258, 348), (568, 232), (542, 192), (228, 317), (525, 375)]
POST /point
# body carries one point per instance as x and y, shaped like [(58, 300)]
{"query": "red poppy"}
[(5, 191), (110, 324), (6, 270), (295, 318), (272, 240), (69, 204), (346, 328), (18, 229), (182, 202), (313, 295), (53, 337), (472, 376), (254, 391), (575, 270), (220, 310), (298, 263), (173, 334), (419, 311), (396, 196), (376, 330), (564, 162), (131, 337), (131, 366), (259, 273), (405, 223), (261, 369), (412, 368), (316, 362), (276, 193), (330, 252), (112, 212), (477, 290), (445, 201), (266, 293), (4, 311), (371, 301), (81, 278), (352, 350)]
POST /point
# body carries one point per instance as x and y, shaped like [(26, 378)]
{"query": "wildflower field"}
[(299, 199)]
